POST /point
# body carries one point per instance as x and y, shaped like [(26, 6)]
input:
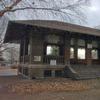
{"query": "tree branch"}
[(8, 8)]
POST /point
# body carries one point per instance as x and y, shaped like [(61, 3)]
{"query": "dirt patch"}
[(38, 86), (17, 88)]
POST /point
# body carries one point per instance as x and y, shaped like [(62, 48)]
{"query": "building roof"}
[(15, 26), (97, 27)]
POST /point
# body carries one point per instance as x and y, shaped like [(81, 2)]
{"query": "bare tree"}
[(3, 26), (7, 5), (12, 54), (3, 47), (71, 8)]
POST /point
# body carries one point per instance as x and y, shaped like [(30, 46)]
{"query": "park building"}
[(51, 48)]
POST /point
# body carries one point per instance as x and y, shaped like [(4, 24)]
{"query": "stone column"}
[(21, 50), (24, 50), (99, 51), (67, 49), (76, 49), (26, 45), (88, 52), (36, 47)]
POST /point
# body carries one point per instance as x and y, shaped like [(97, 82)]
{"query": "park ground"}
[(13, 87)]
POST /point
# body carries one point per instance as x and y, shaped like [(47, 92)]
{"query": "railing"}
[(58, 59)]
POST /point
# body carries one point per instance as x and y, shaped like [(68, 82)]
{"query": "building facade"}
[(52, 48)]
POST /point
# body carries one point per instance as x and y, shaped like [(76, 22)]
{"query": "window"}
[(52, 50), (94, 54), (47, 73), (94, 44), (81, 53), (58, 73), (71, 53), (72, 41), (52, 38), (81, 42)]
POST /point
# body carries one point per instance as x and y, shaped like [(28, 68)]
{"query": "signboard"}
[(37, 58), (53, 62)]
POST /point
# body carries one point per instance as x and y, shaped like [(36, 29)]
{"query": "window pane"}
[(94, 54), (81, 53), (52, 50), (72, 41), (71, 53), (81, 42), (52, 38), (94, 44)]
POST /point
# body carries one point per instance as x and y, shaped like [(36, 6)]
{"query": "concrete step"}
[(83, 72), (87, 76)]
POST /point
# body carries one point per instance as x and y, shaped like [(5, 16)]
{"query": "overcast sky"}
[(93, 13)]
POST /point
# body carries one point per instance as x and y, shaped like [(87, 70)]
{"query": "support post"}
[(31, 46), (67, 49), (23, 56), (88, 52), (21, 50), (99, 50), (76, 49)]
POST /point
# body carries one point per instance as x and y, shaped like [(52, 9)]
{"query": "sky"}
[(93, 13)]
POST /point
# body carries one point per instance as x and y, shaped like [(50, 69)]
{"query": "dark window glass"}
[(58, 73), (47, 73)]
